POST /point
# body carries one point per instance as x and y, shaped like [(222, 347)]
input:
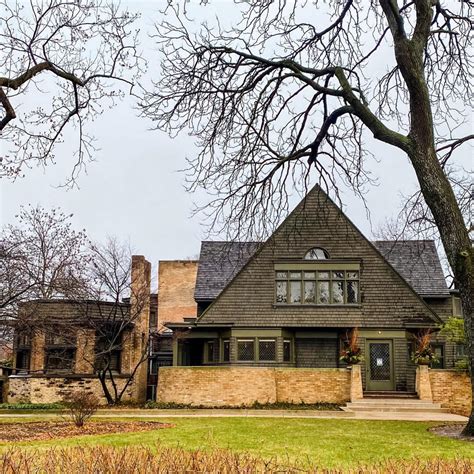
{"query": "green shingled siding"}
[(386, 300)]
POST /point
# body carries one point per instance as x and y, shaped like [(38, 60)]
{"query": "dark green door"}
[(380, 365)]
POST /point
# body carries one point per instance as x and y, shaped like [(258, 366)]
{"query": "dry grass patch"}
[(141, 460), (45, 430)]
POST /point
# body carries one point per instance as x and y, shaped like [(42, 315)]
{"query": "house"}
[(289, 303), (266, 321)]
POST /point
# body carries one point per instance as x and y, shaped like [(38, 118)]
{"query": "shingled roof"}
[(416, 261), (219, 262)]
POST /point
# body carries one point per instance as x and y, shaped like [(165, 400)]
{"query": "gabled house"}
[(290, 301)]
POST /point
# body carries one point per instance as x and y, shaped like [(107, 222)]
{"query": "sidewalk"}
[(237, 413)]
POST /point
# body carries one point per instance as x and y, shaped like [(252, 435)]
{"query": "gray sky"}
[(134, 189)]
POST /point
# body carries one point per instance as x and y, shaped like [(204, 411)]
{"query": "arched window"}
[(316, 253)]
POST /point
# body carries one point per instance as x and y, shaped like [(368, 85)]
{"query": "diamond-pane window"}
[(281, 292), (338, 292), (266, 349), (246, 349), (323, 292), (295, 291), (309, 291), (352, 291)]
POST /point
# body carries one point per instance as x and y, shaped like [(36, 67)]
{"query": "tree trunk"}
[(103, 381), (441, 200)]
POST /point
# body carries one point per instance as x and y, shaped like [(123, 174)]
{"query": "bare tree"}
[(41, 257), (63, 62), (114, 307), (295, 89)]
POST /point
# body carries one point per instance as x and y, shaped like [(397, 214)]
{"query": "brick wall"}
[(452, 389), (313, 385), (176, 281), (54, 389), (237, 386)]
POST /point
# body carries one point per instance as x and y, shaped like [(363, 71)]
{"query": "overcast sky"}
[(134, 189)]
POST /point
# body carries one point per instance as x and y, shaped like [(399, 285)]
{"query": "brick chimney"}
[(140, 312)]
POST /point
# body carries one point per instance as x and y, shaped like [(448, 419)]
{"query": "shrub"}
[(106, 459), (80, 407), (31, 406)]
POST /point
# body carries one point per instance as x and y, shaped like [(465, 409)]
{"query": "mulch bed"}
[(44, 430), (452, 431)]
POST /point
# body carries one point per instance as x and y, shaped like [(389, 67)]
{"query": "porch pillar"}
[(423, 383), (356, 383)]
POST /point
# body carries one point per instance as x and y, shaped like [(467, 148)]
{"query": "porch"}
[(386, 364)]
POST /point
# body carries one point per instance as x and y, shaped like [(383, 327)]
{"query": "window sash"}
[(263, 345), (246, 350), (319, 290)]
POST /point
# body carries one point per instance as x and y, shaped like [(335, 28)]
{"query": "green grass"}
[(327, 443)]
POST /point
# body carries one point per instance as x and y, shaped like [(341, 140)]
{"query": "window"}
[(457, 307), (226, 350), (287, 350), (246, 349), (461, 350), (316, 253), (57, 339), (209, 351), (23, 340), (266, 349), (59, 359), (108, 350), (438, 350), (23, 360), (317, 287)]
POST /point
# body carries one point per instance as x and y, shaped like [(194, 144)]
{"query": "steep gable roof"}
[(387, 299), (418, 263)]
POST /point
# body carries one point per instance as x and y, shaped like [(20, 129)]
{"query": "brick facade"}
[(31, 389), (452, 389), (176, 280), (242, 386)]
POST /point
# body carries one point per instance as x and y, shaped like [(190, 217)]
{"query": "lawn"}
[(323, 442)]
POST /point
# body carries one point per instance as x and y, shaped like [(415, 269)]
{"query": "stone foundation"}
[(30, 389), (243, 386), (452, 389)]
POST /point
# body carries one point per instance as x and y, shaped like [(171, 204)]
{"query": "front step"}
[(391, 394), (394, 405)]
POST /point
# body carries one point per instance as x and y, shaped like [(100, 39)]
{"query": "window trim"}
[(331, 280), (246, 339)]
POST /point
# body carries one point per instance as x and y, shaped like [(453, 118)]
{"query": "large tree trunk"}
[(441, 200)]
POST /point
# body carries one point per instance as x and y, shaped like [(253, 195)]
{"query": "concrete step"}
[(388, 409), (390, 402), (394, 405), (391, 394)]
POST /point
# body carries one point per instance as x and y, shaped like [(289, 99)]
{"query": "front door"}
[(380, 365)]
